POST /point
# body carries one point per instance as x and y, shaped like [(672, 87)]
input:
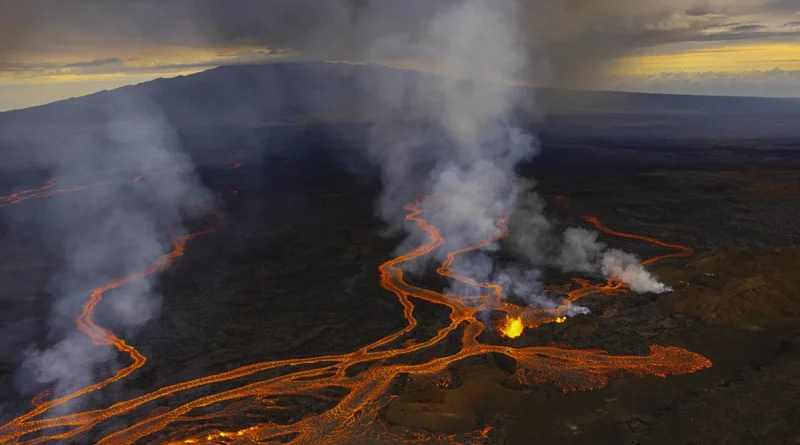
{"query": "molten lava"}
[(682, 251), (512, 327), (208, 416)]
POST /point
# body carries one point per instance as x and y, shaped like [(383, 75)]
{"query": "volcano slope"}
[(294, 275)]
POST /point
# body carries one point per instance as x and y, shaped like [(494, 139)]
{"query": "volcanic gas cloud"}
[(455, 210)]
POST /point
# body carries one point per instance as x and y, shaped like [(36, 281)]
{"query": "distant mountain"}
[(278, 94)]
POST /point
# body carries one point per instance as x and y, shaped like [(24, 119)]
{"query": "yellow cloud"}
[(155, 61), (126, 78), (34, 79), (729, 59)]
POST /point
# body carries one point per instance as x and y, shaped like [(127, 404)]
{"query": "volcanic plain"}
[(295, 274)]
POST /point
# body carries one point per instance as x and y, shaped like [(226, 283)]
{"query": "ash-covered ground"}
[(295, 274)]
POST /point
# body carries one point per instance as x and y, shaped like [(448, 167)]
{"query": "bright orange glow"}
[(356, 415), (513, 327)]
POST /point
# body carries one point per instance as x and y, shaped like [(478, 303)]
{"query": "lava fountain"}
[(512, 327)]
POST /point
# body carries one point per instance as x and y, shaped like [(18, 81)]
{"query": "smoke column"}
[(468, 174), (108, 232)]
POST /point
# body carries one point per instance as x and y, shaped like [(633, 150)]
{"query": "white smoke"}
[(464, 163), (527, 285), (581, 252), (468, 175), (470, 182), (110, 231), (68, 364), (627, 268)]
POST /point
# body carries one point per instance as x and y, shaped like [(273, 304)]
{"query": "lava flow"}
[(47, 189), (250, 413), (682, 251)]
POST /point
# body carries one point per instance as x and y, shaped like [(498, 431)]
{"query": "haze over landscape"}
[(348, 222)]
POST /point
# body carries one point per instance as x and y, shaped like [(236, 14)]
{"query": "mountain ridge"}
[(333, 93)]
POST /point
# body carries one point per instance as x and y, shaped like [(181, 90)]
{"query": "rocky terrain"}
[(736, 301), (295, 275)]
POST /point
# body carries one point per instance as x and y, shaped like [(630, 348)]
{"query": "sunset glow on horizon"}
[(56, 52)]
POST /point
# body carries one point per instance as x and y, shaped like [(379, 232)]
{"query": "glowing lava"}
[(245, 411), (682, 251), (512, 327), (48, 189)]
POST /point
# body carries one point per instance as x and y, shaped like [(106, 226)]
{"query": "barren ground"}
[(295, 275)]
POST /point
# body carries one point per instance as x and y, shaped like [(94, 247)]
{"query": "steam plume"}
[(109, 232), (469, 176), (581, 252), (470, 181)]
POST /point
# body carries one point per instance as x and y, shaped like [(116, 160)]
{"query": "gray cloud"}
[(569, 42), (751, 27), (770, 83), (743, 35), (110, 232), (97, 62)]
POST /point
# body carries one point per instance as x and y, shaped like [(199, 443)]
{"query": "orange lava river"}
[(246, 413)]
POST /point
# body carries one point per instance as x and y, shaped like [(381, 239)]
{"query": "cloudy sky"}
[(54, 49)]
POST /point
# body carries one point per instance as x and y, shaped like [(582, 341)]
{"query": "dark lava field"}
[(295, 274)]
